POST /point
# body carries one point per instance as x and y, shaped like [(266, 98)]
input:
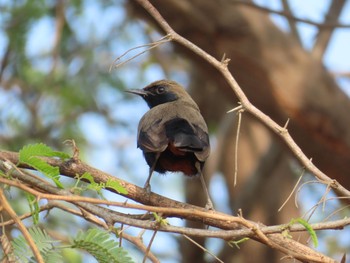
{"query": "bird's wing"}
[(188, 137), (181, 125), (151, 135)]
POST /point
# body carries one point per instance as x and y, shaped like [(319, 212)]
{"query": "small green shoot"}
[(233, 243), (34, 207), (307, 227), (98, 186), (160, 220)]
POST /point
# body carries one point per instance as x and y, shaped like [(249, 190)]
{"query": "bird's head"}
[(160, 92)]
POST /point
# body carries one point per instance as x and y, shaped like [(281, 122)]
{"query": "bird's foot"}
[(209, 205), (147, 187)]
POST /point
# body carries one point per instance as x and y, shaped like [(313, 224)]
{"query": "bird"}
[(173, 134)]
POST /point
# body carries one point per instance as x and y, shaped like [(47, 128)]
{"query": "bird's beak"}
[(139, 92)]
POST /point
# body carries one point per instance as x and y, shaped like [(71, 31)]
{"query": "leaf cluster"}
[(96, 242)]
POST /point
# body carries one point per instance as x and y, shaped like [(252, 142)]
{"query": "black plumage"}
[(172, 134)]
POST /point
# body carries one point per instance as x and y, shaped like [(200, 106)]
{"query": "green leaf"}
[(34, 207), (30, 155), (307, 227), (310, 230), (99, 186), (160, 220), (40, 149), (44, 243), (99, 244), (88, 177), (116, 186), (238, 242)]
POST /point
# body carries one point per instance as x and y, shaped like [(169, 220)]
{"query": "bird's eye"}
[(160, 90)]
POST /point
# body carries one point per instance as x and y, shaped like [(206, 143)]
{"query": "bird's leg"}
[(209, 205), (147, 185)]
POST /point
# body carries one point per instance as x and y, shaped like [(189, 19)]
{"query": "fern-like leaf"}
[(21, 250), (29, 155), (99, 186), (99, 244), (116, 186), (44, 243)]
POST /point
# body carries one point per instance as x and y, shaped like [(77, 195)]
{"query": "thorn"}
[(223, 58), (238, 108), (285, 125), (284, 128)]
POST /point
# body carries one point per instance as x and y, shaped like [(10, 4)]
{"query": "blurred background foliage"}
[(56, 84)]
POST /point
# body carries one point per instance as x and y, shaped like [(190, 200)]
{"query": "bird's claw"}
[(147, 187), (209, 205)]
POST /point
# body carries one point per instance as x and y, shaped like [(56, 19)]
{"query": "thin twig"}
[(239, 113), (288, 15), (292, 192), (149, 246), (149, 46), (291, 22), (139, 244), (325, 34), (203, 248)]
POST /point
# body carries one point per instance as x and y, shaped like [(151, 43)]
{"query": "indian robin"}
[(172, 135)]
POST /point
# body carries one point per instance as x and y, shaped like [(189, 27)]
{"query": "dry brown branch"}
[(290, 16), (148, 249), (203, 248), (292, 192), (239, 122), (342, 74), (141, 246), (118, 62), (5, 243), (60, 21), (291, 22), (325, 34), (7, 207)]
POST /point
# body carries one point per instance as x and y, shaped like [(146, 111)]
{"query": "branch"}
[(227, 224), (290, 16), (7, 207), (324, 34), (291, 22)]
